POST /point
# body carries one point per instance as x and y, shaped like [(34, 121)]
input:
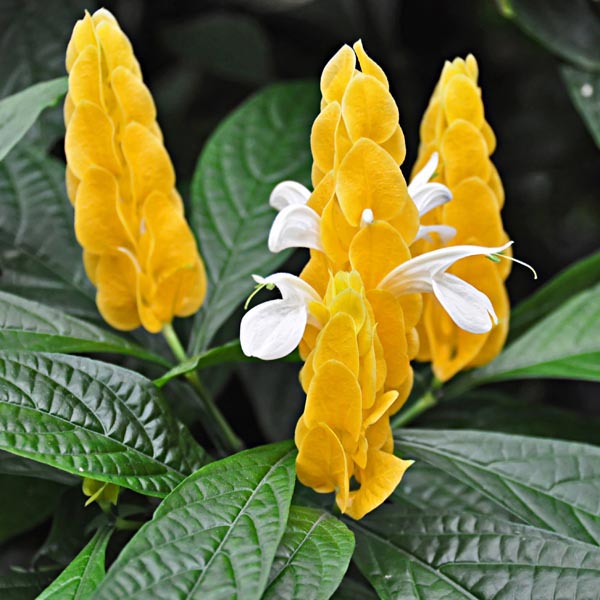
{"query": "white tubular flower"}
[(428, 196), (274, 329), (469, 308), (296, 225)]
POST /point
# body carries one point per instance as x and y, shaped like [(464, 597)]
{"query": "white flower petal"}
[(445, 232), (424, 175), (296, 226), (273, 329), (469, 308), (288, 193), (292, 288), (416, 274), (430, 196)]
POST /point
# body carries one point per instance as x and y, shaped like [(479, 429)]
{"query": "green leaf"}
[(39, 256), (546, 483), (488, 410), (571, 30), (20, 111), (583, 87), (263, 142), (31, 326), (352, 590), (11, 464), (576, 278), (427, 488), (215, 536), (312, 557), (25, 502), (23, 586), (94, 420), (79, 580), (441, 556), (564, 345)]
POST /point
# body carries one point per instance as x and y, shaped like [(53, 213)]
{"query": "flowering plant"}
[(274, 382)]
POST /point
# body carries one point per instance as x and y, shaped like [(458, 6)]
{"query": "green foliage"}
[(215, 536), (312, 557), (32, 326), (93, 420), (23, 586), (547, 483), (20, 111), (584, 87), (262, 143), (79, 580), (447, 555)]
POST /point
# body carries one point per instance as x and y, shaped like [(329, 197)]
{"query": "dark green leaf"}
[(546, 483), (576, 278), (263, 142), (564, 345), (312, 557), (583, 87), (215, 536), (571, 30), (20, 111), (25, 502), (79, 580), (23, 586), (430, 489), (39, 256), (352, 590), (437, 557), (233, 46), (31, 326), (94, 420), (11, 464)]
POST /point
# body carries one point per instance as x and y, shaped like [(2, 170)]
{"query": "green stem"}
[(127, 525), (217, 427), (424, 403)]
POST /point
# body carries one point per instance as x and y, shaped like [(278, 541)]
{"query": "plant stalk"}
[(423, 404)]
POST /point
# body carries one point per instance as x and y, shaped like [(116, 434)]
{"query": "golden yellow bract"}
[(138, 249), (454, 125), (344, 432)]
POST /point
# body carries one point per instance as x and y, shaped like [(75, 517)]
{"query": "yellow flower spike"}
[(368, 66), (138, 249), (338, 338), (454, 125), (322, 137), (337, 74)]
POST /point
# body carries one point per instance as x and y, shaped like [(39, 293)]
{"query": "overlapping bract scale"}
[(344, 435), (454, 126), (138, 249)]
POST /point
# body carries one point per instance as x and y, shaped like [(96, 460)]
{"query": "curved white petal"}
[(424, 175), (296, 226), (288, 193), (469, 308), (293, 289), (430, 196), (416, 274), (445, 232), (273, 329)]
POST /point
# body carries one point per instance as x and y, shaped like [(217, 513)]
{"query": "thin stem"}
[(424, 403), (218, 428)]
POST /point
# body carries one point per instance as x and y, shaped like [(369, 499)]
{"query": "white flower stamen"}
[(367, 217)]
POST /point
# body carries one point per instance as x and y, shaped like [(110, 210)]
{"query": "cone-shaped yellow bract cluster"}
[(454, 125), (345, 429), (357, 370), (138, 248)]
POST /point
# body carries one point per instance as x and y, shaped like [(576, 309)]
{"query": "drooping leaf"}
[(20, 111), (11, 464), (32, 326), (440, 556), (564, 345), (25, 502), (215, 536), (39, 256), (24, 586), (312, 557), (33, 40), (94, 420), (427, 488), (584, 87), (263, 142), (79, 580), (546, 483), (576, 278), (571, 30)]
